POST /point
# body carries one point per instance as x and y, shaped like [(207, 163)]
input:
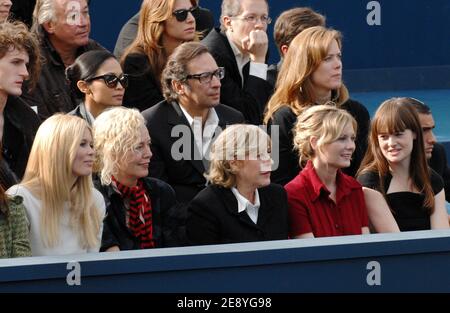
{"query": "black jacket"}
[(438, 163), (213, 217), (272, 73), (165, 223), (251, 99), (143, 89), (52, 93), (288, 165), (184, 175), (21, 125)]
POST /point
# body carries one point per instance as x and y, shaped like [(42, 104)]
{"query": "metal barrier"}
[(405, 262)]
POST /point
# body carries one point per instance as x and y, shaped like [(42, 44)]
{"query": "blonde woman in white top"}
[(64, 210)]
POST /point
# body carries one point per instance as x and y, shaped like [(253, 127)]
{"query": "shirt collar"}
[(344, 184), (243, 203), (211, 119)]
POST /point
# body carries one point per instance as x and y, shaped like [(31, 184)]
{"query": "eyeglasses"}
[(205, 78), (252, 19), (112, 80), (182, 14)]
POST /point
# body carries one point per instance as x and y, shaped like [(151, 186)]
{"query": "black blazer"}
[(251, 99), (213, 217), (184, 175), (438, 163), (167, 230), (288, 166)]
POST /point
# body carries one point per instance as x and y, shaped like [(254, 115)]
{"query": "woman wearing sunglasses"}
[(96, 76), (163, 26)]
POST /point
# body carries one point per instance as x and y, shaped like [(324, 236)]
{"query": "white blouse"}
[(68, 238)]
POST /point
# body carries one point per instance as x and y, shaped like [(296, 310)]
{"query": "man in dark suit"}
[(240, 46), (183, 126), (204, 22)]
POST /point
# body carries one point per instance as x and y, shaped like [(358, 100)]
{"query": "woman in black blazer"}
[(240, 204)]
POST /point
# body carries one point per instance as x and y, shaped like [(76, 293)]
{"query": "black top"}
[(213, 217), (143, 89), (438, 163), (20, 126), (408, 209), (288, 165)]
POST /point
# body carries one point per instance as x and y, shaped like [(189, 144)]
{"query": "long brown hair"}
[(148, 41), (397, 115), (294, 86)]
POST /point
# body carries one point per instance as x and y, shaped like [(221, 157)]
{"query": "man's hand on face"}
[(256, 45)]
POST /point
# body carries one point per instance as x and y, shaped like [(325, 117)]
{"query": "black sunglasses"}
[(182, 14), (112, 80)]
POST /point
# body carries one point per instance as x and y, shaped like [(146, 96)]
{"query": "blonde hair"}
[(294, 87), (236, 142), (116, 131), (148, 41), (325, 122), (49, 177)]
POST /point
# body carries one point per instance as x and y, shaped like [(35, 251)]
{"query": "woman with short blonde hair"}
[(141, 212), (64, 209), (240, 204), (311, 74)]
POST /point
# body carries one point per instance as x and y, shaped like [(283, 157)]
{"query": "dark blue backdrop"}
[(412, 40)]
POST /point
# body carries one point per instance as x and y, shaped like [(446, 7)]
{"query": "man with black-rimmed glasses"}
[(183, 126)]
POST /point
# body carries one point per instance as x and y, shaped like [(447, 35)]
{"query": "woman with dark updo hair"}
[(97, 77)]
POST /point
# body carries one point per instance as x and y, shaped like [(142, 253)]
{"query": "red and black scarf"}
[(140, 213)]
